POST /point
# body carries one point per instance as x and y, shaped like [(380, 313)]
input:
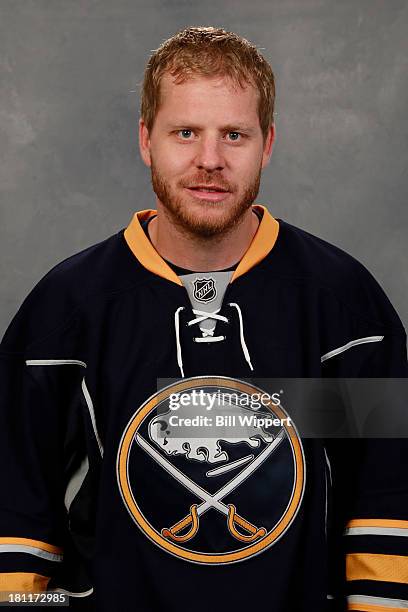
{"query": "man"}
[(105, 498)]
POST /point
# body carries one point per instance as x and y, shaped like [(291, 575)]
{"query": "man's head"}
[(206, 122)]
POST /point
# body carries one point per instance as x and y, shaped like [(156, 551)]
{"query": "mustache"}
[(207, 180)]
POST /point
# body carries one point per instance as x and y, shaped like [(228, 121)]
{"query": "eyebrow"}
[(231, 127)]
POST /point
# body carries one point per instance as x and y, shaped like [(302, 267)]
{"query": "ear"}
[(268, 145), (144, 143)]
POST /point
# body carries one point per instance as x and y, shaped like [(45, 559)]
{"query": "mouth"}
[(213, 193)]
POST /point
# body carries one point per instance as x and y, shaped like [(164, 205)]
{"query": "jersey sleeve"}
[(32, 514), (50, 455), (372, 497)]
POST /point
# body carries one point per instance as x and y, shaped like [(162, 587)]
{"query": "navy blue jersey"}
[(99, 500)]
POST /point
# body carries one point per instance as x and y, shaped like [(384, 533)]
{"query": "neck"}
[(201, 254)]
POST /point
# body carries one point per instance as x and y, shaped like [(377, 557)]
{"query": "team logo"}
[(204, 290), (209, 476)]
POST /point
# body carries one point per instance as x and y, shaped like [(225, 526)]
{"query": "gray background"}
[(70, 173)]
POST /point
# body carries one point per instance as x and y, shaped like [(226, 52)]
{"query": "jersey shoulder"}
[(306, 258), (100, 270)]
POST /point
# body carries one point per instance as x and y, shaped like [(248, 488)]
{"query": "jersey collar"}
[(141, 247)]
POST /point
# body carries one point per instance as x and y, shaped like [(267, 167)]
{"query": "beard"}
[(198, 219)]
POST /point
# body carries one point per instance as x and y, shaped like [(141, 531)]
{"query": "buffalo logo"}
[(208, 477), (204, 290), (207, 449)]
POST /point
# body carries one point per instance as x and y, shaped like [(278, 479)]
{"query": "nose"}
[(209, 154)]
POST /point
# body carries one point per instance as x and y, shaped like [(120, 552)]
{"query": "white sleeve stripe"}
[(387, 531), (39, 362), (75, 483), (328, 465), (349, 345), (30, 550), (55, 362), (395, 604), (89, 403), (71, 594)]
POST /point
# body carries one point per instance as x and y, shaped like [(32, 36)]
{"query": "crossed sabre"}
[(212, 501)]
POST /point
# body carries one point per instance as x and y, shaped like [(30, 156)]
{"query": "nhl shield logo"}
[(204, 290), (201, 488)]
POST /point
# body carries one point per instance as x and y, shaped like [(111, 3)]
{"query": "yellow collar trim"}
[(141, 247), (262, 243)]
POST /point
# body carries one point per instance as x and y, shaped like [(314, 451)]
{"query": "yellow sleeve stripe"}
[(377, 523), (385, 568), (34, 543), (22, 581)]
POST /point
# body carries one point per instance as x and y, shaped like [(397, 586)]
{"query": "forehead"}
[(207, 97)]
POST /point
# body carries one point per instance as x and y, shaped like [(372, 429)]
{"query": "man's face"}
[(206, 152)]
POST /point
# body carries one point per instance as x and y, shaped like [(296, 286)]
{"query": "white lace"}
[(208, 334), (241, 334), (177, 329)]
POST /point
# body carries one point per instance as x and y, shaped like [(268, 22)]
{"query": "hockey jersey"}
[(104, 499)]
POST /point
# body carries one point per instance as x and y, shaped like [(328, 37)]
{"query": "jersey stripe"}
[(75, 483), (387, 531), (387, 527), (367, 566), (30, 550), (375, 604), (88, 399), (349, 345), (22, 581), (31, 362), (72, 594), (89, 403), (27, 542)]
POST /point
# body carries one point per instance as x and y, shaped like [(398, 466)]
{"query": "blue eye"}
[(234, 135), (185, 134)]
